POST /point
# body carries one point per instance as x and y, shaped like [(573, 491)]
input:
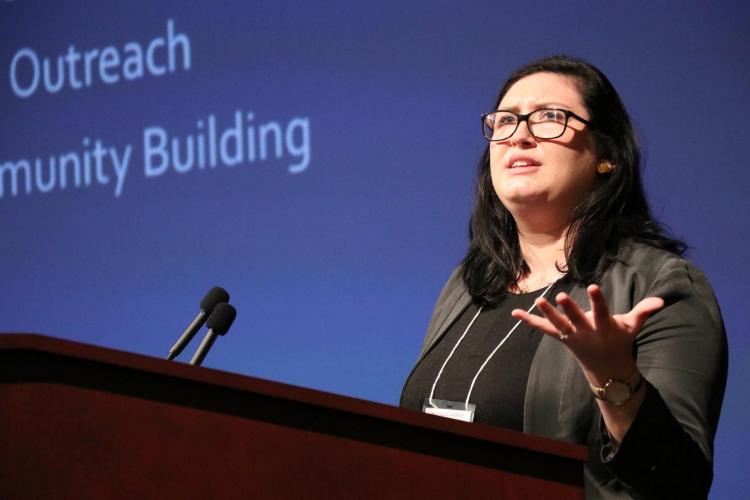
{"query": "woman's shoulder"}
[(453, 289), (634, 253), (649, 262), (645, 270)]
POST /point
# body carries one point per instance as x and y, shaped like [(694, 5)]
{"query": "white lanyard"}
[(507, 336)]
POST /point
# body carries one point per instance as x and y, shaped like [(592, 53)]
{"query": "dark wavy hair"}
[(616, 209)]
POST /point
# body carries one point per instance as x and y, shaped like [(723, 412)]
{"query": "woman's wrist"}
[(625, 370), (619, 417)]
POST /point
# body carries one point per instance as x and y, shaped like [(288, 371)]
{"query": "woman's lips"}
[(522, 164)]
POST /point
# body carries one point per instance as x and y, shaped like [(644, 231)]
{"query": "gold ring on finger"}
[(565, 332)]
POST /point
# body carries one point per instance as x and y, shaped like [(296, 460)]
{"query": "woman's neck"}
[(543, 250)]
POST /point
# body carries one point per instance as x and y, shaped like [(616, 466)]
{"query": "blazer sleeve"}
[(682, 354)]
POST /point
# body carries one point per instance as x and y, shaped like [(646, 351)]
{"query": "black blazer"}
[(682, 354)]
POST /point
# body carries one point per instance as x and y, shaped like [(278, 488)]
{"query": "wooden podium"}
[(85, 422)]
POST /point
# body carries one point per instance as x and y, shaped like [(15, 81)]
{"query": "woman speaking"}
[(573, 314)]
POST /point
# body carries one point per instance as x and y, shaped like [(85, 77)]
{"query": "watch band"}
[(616, 386)]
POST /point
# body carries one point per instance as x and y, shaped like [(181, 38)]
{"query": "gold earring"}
[(604, 167)]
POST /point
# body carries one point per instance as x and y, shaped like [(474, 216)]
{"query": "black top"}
[(501, 387)]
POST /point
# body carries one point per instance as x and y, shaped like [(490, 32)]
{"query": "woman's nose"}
[(522, 135)]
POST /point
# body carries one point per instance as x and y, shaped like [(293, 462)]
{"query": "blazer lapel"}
[(447, 313), (557, 395)]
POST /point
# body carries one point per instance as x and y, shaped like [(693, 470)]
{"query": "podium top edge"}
[(53, 346)]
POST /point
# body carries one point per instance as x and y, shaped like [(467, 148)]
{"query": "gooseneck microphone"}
[(218, 324), (214, 296)]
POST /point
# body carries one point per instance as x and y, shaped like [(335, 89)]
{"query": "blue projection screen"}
[(316, 159)]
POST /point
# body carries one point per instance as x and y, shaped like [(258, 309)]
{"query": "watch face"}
[(617, 392)]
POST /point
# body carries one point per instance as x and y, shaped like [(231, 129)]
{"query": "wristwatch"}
[(617, 391)]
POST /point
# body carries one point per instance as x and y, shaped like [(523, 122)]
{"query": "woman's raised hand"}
[(601, 342)]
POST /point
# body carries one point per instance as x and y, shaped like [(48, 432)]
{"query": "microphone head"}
[(221, 319), (214, 296)]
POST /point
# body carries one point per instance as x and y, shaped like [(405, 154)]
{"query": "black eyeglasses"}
[(546, 123)]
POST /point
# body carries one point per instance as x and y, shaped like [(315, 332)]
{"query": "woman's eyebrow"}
[(538, 105)]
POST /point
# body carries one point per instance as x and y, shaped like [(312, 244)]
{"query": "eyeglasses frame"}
[(525, 118)]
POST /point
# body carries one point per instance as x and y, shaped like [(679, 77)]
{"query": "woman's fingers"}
[(642, 310), (534, 321), (553, 323), (574, 313), (560, 321), (648, 306), (573, 319), (599, 308)]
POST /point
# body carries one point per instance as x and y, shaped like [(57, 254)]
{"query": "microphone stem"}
[(187, 336), (203, 349)]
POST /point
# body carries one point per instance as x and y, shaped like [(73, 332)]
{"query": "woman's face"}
[(549, 174)]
